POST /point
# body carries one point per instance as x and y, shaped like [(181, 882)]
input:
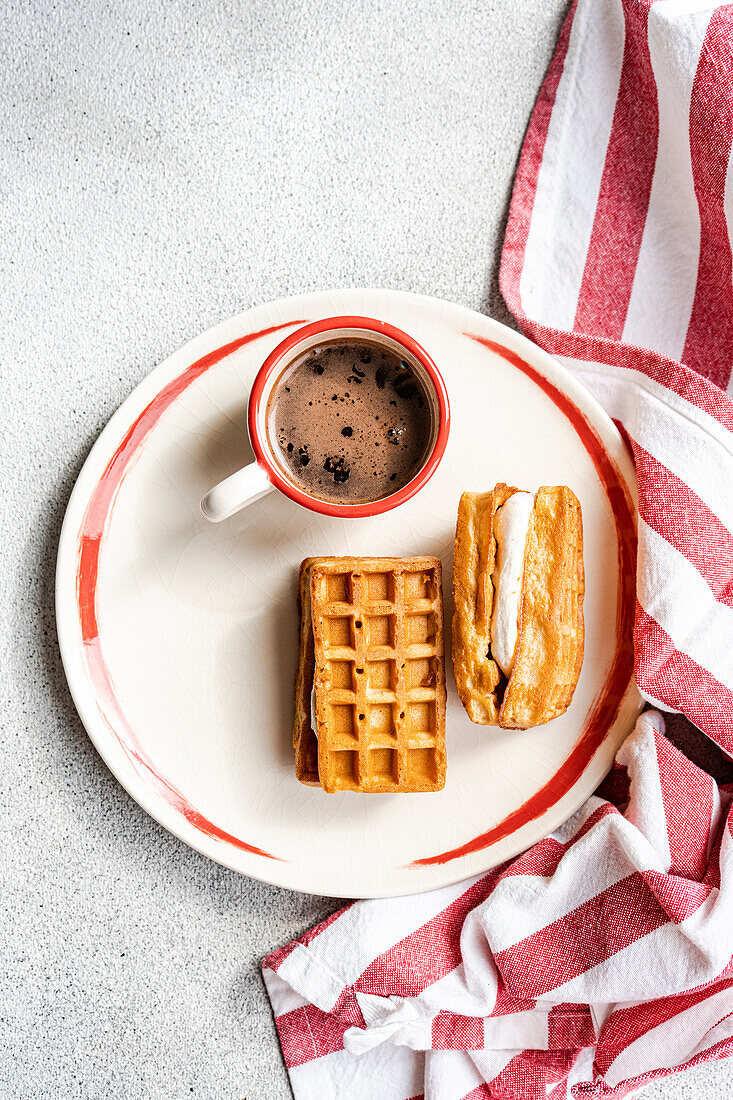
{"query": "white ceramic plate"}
[(179, 638)]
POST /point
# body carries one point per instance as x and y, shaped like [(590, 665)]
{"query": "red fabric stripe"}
[(676, 377), (277, 958), (688, 795), (506, 1003), (427, 954), (678, 897), (570, 1027), (584, 937), (307, 1033), (347, 1008), (626, 183), (671, 509), (450, 1031), (530, 1074), (559, 1092), (626, 1025), (679, 682), (709, 342)]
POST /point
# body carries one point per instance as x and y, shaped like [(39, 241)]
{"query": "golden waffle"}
[(371, 644), (549, 651)]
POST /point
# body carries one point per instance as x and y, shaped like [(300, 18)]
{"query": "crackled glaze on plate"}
[(179, 638)]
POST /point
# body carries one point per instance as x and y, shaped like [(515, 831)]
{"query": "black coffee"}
[(351, 422)]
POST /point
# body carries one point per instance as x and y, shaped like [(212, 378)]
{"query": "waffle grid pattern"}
[(379, 676)]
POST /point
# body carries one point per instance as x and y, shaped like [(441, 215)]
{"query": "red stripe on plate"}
[(94, 525), (605, 707)]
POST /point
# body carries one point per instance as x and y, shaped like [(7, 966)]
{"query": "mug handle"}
[(235, 492)]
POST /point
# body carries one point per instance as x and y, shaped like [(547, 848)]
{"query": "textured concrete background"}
[(162, 167)]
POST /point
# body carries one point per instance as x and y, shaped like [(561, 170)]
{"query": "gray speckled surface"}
[(163, 168)]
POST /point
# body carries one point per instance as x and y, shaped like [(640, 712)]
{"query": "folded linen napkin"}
[(601, 959)]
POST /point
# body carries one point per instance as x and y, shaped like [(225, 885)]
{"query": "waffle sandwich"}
[(370, 685), (518, 586)]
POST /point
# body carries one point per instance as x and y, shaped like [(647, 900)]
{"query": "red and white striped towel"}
[(587, 967), (617, 260), (602, 958)]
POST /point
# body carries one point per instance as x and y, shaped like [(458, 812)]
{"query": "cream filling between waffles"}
[(511, 527)]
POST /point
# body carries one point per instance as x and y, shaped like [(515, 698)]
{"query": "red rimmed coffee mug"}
[(269, 472)]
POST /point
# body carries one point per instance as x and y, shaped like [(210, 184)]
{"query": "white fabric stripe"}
[(367, 930), (398, 1070), (666, 271), (722, 1030), (519, 907), (449, 1075), (399, 1020), (716, 811), (674, 1041), (672, 591), (647, 813), (669, 960), (459, 991), (492, 1062), (312, 977), (657, 704), (582, 1071), (640, 384), (700, 456), (572, 164), (282, 995), (518, 1030)]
